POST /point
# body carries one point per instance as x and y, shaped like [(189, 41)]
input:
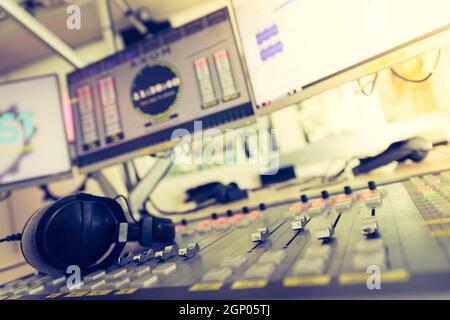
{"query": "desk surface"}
[(437, 160)]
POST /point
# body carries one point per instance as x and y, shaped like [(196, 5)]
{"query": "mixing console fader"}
[(383, 241)]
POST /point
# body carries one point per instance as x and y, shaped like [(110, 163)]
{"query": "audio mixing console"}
[(328, 247)]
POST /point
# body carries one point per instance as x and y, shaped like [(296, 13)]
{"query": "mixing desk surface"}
[(387, 241)]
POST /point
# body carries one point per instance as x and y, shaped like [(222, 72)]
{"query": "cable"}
[(182, 212), (398, 75), (13, 237), (372, 83)]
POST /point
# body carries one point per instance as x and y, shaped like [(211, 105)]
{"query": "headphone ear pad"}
[(29, 248)]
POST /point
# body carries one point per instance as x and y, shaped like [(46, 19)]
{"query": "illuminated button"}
[(167, 253), (300, 222), (254, 215), (275, 257), (234, 262), (117, 284), (145, 281), (423, 188), (95, 275), (369, 227), (317, 207), (191, 250), (259, 271), (260, 235), (308, 266), (165, 269), (343, 203), (370, 246), (139, 272), (236, 217), (313, 252), (218, 274), (297, 207), (115, 274), (222, 226), (363, 261), (144, 256), (373, 200)]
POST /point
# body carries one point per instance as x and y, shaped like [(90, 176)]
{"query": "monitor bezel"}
[(168, 145), (11, 186), (377, 63)]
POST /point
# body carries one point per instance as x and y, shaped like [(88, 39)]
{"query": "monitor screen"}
[(130, 103), (292, 44), (33, 146)]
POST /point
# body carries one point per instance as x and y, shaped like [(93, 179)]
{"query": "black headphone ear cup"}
[(29, 247)]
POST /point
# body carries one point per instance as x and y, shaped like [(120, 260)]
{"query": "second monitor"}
[(130, 103)]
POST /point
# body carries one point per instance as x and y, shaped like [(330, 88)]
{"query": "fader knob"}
[(325, 195), (262, 206), (189, 251), (372, 185), (348, 190), (304, 198)]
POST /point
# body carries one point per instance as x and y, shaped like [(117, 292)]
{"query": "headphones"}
[(88, 231)]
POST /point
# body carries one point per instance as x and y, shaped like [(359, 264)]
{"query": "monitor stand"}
[(139, 189)]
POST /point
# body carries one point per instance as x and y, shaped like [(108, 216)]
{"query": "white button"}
[(273, 257), (234, 262), (259, 271), (94, 275), (309, 266), (218, 274), (165, 269), (145, 281), (318, 252), (363, 261)]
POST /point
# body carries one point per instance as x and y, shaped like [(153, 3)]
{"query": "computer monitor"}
[(295, 49), (130, 103), (33, 145)]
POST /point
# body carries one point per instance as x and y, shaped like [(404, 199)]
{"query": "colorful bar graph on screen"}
[(205, 83), (226, 78), (111, 117), (88, 121)]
